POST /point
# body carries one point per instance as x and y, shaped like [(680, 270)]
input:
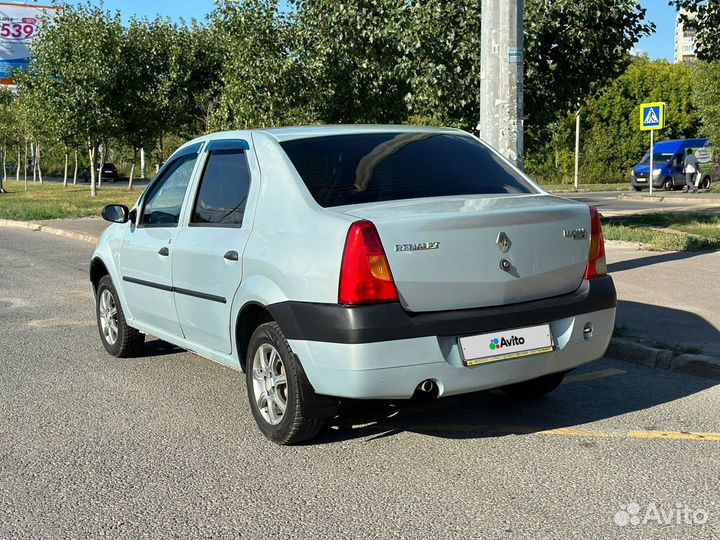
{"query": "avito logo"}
[(496, 343)]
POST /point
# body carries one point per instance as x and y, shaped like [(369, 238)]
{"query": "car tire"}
[(274, 388), (535, 388), (668, 184), (118, 338), (638, 188), (705, 183)]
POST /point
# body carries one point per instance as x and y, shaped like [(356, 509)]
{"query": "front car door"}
[(207, 259), (146, 252)]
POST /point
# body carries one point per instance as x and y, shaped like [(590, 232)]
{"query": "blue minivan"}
[(668, 164)]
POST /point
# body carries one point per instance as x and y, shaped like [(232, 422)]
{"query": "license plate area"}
[(505, 344)]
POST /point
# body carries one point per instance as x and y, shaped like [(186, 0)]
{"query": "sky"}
[(659, 45)]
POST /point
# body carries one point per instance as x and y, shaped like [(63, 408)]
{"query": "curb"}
[(695, 364), (690, 199), (82, 237)]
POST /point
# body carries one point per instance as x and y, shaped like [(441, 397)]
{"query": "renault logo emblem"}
[(503, 242)]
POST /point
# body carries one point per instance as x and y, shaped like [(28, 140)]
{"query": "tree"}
[(613, 141), (706, 94), (572, 50), (263, 82), (71, 73), (706, 21), (8, 131)]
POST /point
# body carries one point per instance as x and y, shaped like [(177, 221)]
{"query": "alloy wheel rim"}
[(269, 383), (108, 317)]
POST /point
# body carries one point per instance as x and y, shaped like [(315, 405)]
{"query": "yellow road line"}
[(602, 374), (569, 432), (574, 432)]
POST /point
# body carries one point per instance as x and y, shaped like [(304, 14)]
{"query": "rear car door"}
[(146, 252), (207, 259)]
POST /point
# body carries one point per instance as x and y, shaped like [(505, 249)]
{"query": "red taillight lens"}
[(597, 264), (365, 276)]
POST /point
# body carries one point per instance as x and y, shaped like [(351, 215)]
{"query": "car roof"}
[(680, 143), (282, 134), (303, 132)]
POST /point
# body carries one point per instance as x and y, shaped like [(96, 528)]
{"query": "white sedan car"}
[(365, 262)]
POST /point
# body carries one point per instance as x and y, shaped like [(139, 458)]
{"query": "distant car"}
[(668, 161), (363, 262), (109, 173)]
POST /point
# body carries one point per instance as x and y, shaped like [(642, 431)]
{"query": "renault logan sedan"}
[(373, 262)]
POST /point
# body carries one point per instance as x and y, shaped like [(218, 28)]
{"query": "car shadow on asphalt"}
[(631, 264), (158, 347), (489, 414), (662, 327)]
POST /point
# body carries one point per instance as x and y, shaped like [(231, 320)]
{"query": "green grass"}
[(53, 201), (705, 228)]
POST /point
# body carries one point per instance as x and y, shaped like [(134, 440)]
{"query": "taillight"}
[(365, 276), (597, 264)]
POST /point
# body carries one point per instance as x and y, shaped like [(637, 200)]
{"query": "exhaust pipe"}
[(427, 386)]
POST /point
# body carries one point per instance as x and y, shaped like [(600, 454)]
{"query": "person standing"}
[(690, 166)]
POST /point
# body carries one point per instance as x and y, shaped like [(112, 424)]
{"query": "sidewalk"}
[(667, 301)]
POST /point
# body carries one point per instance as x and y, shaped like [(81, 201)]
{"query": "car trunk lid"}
[(467, 252)]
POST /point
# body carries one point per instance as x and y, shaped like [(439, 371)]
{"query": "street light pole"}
[(501, 79)]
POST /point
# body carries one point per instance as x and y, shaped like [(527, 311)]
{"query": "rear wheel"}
[(117, 337), (706, 183), (274, 382), (535, 388)]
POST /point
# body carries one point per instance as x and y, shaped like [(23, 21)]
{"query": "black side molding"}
[(386, 322), (168, 288)]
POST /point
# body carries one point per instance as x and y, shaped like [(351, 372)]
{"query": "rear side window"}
[(371, 167), (223, 189)]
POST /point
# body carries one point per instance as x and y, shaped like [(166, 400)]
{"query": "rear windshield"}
[(371, 167)]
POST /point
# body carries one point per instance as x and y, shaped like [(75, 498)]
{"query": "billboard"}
[(19, 24)]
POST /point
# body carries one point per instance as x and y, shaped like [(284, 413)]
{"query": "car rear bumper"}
[(392, 365)]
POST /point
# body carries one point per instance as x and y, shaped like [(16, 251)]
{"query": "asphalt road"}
[(164, 446), (609, 204)]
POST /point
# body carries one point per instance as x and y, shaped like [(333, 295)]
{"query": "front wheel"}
[(638, 188), (668, 184), (118, 338), (535, 388), (274, 388)]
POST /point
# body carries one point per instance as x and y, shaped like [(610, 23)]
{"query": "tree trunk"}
[(25, 163), (4, 166), (76, 167), (37, 163), (132, 170), (32, 159), (92, 150), (100, 166), (66, 167), (17, 167)]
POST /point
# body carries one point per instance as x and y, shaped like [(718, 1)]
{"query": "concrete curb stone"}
[(73, 235)]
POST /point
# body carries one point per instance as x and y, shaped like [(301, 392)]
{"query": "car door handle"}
[(164, 252), (232, 256)]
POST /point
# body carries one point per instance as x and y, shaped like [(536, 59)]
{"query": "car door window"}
[(223, 190), (164, 202)]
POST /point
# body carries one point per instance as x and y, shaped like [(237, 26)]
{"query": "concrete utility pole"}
[(501, 85)]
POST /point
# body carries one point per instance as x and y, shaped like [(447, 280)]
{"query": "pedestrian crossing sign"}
[(652, 116)]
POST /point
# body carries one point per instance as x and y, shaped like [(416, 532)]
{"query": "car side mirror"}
[(116, 213)]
